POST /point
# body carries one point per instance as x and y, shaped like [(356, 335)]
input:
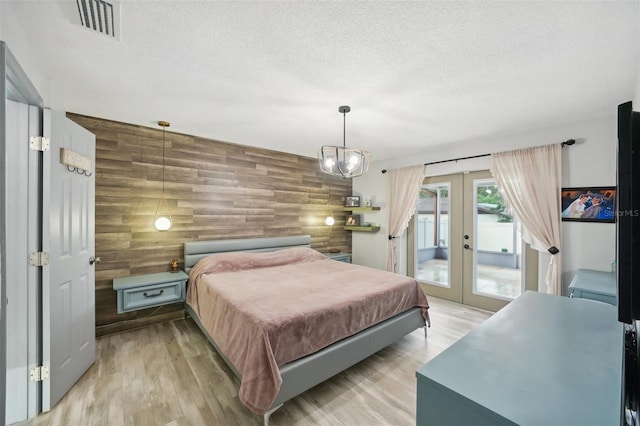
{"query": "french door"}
[(464, 245)]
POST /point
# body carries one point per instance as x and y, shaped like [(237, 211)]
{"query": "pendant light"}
[(162, 220), (342, 161), (329, 221)]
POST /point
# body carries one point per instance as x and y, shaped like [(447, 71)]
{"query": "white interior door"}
[(68, 335)]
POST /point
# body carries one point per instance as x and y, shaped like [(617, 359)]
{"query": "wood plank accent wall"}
[(215, 190)]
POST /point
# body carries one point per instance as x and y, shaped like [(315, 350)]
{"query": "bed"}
[(269, 307)]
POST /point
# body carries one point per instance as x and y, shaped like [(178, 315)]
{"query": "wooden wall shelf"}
[(361, 209), (362, 228)]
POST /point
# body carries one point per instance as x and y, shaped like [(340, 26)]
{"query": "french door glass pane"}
[(497, 245), (432, 239)]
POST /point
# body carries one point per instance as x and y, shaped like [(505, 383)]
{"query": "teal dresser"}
[(541, 360)]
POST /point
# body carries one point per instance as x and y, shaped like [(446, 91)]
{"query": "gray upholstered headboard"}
[(196, 250)]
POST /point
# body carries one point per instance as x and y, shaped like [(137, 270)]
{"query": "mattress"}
[(265, 310)]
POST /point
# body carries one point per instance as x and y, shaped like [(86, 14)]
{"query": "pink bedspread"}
[(264, 310)]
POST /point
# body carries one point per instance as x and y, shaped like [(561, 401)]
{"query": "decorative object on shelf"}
[(589, 204), (162, 220), (367, 203), (175, 265), (340, 160), (352, 201), (352, 220)]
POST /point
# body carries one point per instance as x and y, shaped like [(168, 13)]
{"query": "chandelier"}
[(342, 161)]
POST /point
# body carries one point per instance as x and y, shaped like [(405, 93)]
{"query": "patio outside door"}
[(466, 246)]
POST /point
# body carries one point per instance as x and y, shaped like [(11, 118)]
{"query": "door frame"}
[(16, 86)]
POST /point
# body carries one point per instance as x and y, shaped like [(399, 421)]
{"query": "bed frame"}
[(303, 374)]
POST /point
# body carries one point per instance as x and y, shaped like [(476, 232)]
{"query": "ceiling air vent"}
[(101, 16)]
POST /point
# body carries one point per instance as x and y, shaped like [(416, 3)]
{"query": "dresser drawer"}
[(152, 295)]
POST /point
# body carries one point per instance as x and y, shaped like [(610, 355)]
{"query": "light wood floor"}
[(168, 374)]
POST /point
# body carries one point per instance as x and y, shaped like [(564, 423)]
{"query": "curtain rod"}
[(562, 144)]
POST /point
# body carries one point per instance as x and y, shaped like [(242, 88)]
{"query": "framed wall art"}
[(589, 204), (352, 220), (352, 201)]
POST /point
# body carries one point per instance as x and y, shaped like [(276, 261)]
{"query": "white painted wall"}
[(13, 34), (636, 97), (590, 162)]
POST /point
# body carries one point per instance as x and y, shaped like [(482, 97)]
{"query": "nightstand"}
[(340, 257), (146, 291), (595, 285)]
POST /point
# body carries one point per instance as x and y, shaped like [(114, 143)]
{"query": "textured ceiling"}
[(272, 74)]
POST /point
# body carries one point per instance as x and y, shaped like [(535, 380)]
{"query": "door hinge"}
[(38, 374), (39, 143), (38, 258)]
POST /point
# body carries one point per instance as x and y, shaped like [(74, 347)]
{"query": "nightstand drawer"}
[(152, 295), (147, 291), (584, 294), (340, 257)]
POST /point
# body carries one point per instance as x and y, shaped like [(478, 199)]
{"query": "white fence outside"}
[(492, 235)]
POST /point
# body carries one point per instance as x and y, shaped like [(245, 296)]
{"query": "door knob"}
[(93, 260)]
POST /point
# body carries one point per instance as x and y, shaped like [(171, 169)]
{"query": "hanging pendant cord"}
[(163, 160)]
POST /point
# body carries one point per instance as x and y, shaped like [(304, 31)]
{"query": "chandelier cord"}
[(344, 129)]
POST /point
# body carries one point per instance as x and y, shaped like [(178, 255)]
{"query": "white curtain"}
[(530, 182), (404, 187)]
